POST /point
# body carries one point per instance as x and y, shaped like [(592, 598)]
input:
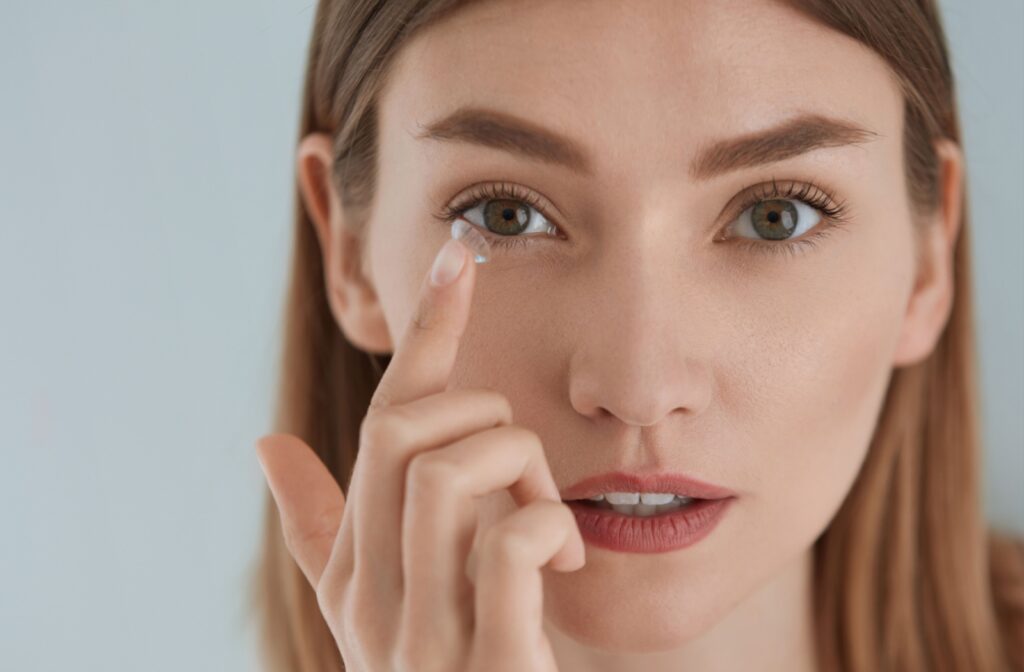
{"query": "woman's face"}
[(663, 328)]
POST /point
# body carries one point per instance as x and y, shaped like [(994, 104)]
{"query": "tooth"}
[(596, 498), (623, 498), (656, 498), (644, 509)]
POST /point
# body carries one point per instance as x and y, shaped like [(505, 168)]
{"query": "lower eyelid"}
[(801, 245)]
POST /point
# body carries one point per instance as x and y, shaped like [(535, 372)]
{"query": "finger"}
[(308, 499), (420, 367), (389, 440), (439, 522), (422, 362), (509, 588)]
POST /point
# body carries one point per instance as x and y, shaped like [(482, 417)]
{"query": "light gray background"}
[(146, 164)]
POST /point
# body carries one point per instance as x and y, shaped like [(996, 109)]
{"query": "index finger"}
[(423, 361)]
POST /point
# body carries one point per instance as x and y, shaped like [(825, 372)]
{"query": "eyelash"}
[(834, 214), (833, 211)]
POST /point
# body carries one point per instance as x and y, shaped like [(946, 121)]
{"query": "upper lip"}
[(619, 481)]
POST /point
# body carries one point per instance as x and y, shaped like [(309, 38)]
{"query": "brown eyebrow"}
[(504, 131), (795, 136), (499, 130)]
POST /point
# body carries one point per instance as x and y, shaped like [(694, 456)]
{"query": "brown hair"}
[(907, 575)]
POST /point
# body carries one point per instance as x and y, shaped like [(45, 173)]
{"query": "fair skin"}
[(639, 339)]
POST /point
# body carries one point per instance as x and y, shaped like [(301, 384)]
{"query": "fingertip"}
[(261, 449), (271, 447), (261, 454), (449, 263), (265, 444), (281, 459), (579, 554), (572, 556)]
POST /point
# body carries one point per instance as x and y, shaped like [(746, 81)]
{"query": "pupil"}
[(507, 213), (773, 217)]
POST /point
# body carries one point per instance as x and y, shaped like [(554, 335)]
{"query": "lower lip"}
[(668, 531)]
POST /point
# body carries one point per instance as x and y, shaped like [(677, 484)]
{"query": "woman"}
[(729, 266)]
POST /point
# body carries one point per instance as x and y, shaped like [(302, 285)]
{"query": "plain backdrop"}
[(146, 171)]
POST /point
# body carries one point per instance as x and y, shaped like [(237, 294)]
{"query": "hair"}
[(907, 576)]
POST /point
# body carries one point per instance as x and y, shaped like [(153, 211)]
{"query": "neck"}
[(772, 629)]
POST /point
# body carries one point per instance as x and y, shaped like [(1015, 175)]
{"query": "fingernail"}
[(448, 263)]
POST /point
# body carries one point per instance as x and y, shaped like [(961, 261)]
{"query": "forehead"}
[(639, 82)]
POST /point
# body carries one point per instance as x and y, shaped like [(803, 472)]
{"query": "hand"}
[(390, 563)]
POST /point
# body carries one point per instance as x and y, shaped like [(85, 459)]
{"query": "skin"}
[(761, 373)]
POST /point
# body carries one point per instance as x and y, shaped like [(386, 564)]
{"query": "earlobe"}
[(353, 299), (931, 300)]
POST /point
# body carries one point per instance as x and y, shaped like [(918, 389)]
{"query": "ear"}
[(350, 293), (932, 299)]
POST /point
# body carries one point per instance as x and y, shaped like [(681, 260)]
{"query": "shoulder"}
[(1006, 573)]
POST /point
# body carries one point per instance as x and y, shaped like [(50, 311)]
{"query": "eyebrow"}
[(499, 130), (799, 135), (503, 131)]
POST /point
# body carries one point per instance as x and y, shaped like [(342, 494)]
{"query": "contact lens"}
[(466, 233)]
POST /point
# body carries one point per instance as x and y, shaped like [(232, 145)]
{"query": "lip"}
[(666, 531), (619, 481), (660, 533)]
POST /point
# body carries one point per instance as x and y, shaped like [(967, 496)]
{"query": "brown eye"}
[(506, 217), (776, 219)]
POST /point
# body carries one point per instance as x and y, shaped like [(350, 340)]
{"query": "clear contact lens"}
[(467, 234)]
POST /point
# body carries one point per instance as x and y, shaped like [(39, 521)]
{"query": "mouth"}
[(653, 507), (647, 528)]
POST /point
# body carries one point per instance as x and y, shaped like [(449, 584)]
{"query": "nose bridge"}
[(638, 358)]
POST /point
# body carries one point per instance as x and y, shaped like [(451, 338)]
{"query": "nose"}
[(641, 352)]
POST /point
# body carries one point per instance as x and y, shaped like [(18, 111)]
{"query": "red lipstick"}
[(659, 533)]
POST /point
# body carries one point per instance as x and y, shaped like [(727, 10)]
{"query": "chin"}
[(644, 619)]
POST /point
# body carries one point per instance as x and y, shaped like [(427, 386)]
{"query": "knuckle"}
[(520, 434), (369, 427), (505, 545), (424, 317), (431, 471), (382, 397), (545, 510), (500, 401), (388, 426), (530, 439)]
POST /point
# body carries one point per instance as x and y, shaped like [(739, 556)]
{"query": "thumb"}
[(308, 499)]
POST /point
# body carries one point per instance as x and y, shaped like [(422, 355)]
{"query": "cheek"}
[(809, 403)]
